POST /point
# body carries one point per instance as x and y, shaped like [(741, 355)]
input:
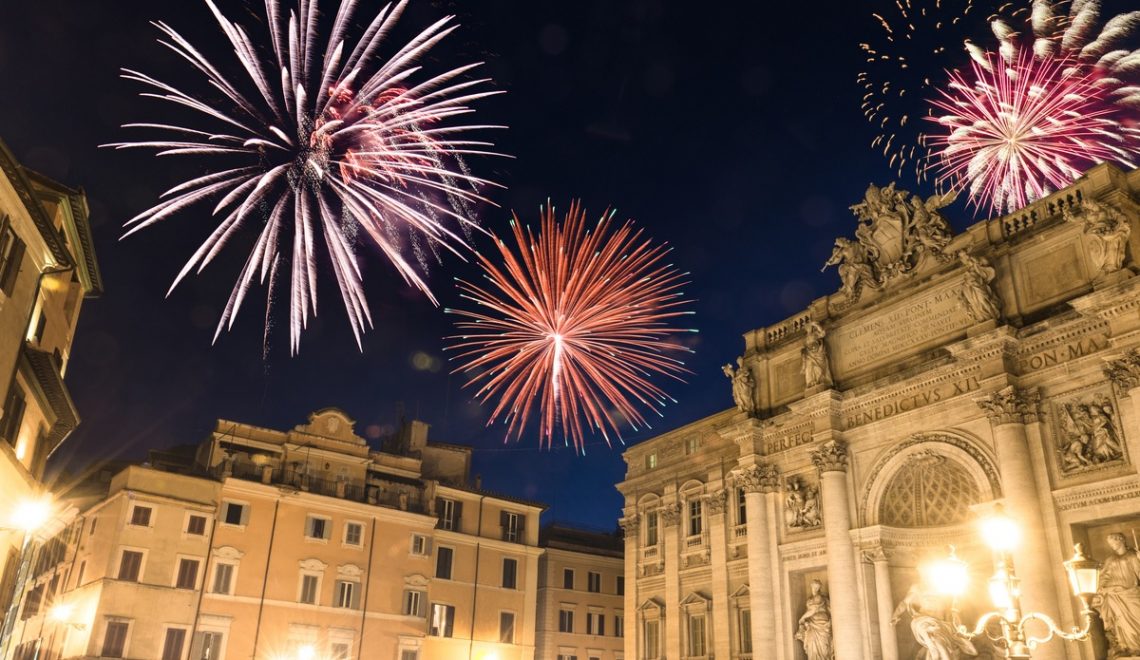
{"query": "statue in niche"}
[(1107, 232), (801, 505), (814, 627), (816, 367), (938, 639), (1118, 598), (854, 266), (743, 386), (1089, 435), (976, 294)]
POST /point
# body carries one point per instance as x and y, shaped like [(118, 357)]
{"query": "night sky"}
[(730, 130)]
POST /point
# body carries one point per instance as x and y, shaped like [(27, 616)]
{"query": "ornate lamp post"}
[(949, 578), (28, 516)]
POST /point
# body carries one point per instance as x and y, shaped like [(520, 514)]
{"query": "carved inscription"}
[(931, 317), (787, 441), (910, 401), (1063, 353)]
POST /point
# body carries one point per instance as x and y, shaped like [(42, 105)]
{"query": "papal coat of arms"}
[(896, 228)]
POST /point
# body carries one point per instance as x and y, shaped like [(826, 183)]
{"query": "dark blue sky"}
[(731, 130)]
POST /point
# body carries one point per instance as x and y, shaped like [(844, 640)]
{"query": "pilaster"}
[(630, 526), (831, 459), (715, 505), (759, 481), (670, 517)]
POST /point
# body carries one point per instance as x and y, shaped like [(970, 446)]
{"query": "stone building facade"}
[(581, 594), (298, 545), (872, 430), (47, 269)]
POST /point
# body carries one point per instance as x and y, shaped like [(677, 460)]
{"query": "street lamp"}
[(1002, 534), (28, 516)]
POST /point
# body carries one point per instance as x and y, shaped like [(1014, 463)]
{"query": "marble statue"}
[(801, 506), (1118, 597), (938, 638), (814, 627), (743, 386), (816, 368), (1107, 231), (854, 266), (1089, 435), (976, 294)]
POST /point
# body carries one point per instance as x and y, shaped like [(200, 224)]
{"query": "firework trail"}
[(318, 140), (1017, 132), (572, 322)]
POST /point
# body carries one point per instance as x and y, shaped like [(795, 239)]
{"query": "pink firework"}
[(1015, 131), (573, 323), (320, 141)]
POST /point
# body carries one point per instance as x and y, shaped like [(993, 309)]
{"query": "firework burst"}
[(318, 141), (573, 323), (1015, 132)]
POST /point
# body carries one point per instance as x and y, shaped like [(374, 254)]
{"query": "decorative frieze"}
[(831, 456), (1012, 405), (1088, 433), (1124, 371), (759, 478), (801, 505)]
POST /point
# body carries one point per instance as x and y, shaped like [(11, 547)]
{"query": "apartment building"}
[(581, 589)]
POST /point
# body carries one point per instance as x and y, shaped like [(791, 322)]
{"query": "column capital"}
[(830, 457), (717, 500), (1124, 371), (670, 514), (759, 478), (630, 525), (1012, 405)]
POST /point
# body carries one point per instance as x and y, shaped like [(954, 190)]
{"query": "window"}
[(651, 528), (187, 574), (196, 525), (115, 639), (223, 578), (619, 625), (79, 576), (443, 563), (207, 645), (691, 446), (353, 533), (341, 650), (409, 654), (235, 514), (309, 586), (695, 519), (13, 415), (346, 594), (32, 602), (651, 461), (567, 656), (413, 602), (130, 565), (567, 578), (745, 625), (419, 544), (317, 527), (594, 582), (512, 524), (595, 623), (173, 643), (442, 620), (510, 573), (140, 516), (652, 639), (450, 512), (697, 635), (11, 254), (566, 621), (619, 585), (506, 627), (741, 507)]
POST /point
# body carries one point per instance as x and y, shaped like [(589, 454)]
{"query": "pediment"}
[(228, 552), (742, 592), (349, 570), (331, 423), (695, 598), (313, 564), (651, 605), (415, 580)]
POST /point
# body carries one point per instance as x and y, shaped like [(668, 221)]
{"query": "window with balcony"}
[(651, 528), (741, 507), (696, 517)]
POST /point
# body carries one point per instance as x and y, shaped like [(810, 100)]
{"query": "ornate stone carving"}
[(831, 456), (1088, 434), (760, 478), (816, 366), (717, 500), (670, 514), (349, 571), (313, 564), (1118, 598), (895, 229), (929, 490), (1012, 405), (1106, 231), (801, 505), (937, 637), (743, 386), (630, 525), (1124, 371), (813, 629), (978, 298)]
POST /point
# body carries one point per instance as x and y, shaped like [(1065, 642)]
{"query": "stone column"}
[(1009, 410), (630, 525), (721, 640), (757, 481), (1124, 372), (885, 603), (669, 516), (843, 586)]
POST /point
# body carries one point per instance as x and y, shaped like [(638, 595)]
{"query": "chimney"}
[(478, 482)]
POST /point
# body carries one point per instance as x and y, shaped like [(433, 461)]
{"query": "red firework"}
[(574, 323), (1024, 128)]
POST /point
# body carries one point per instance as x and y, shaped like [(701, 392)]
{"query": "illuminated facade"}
[(950, 372), (302, 544), (47, 269)]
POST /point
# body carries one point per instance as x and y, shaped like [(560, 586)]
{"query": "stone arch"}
[(952, 468)]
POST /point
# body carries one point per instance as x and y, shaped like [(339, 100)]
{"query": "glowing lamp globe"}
[(31, 514), (61, 613), (1000, 532), (949, 576), (1084, 573), (307, 652)]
